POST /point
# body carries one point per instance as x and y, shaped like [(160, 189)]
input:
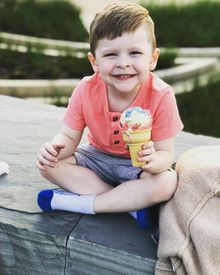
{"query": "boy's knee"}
[(51, 172), (47, 173), (168, 184)]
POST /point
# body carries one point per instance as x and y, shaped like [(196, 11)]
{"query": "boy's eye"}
[(135, 53), (110, 54)]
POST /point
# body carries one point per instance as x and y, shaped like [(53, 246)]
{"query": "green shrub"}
[(167, 59), (15, 65), (199, 109), (49, 18), (193, 24)]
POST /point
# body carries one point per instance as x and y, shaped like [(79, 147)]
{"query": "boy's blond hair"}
[(119, 18)]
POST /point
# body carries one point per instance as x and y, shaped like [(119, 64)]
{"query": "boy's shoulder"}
[(90, 85), (158, 85), (91, 79)]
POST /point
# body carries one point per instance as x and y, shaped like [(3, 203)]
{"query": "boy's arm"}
[(62, 146), (68, 137), (158, 155)]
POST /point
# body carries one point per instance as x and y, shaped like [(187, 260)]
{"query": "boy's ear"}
[(154, 57), (93, 62)]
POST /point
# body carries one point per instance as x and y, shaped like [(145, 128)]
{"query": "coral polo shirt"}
[(88, 107)]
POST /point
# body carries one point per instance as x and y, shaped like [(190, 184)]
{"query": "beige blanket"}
[(190, 222)]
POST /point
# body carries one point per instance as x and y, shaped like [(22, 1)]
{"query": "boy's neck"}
[(118, 102)]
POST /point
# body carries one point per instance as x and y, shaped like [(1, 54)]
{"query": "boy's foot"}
[(44, 200), (58, 199), (144, 219)]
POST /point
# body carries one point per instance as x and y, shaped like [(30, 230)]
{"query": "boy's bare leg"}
[(137, 194), (76, 179), (131, 195)]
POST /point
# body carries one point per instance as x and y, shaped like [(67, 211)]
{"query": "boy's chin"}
[(124, 90)]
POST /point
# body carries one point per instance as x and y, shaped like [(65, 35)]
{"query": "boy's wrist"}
[(161, 162)]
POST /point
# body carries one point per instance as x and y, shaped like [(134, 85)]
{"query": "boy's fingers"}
[(48, 147), (50, 161), (52, 149), (40, 167), (147, 158), (58, 147), (148, 144), (147, 165), (46, 155)]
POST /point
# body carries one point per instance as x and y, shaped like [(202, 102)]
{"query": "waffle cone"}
[(138, 136), (135, 140)]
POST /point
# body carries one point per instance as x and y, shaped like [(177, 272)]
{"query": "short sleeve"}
[(74, 117), (166, 122)]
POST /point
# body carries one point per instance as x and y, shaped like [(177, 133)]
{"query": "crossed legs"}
[(131, 195)]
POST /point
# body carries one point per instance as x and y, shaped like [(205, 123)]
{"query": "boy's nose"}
[(123, 62)]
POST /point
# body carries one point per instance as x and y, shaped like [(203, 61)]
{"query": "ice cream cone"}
[(134, 148), (135, 140), (135, 124), (137, 136)]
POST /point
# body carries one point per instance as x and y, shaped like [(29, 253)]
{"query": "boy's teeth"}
[(123, 75)]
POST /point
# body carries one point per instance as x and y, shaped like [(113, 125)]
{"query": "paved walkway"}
[(59, 243)]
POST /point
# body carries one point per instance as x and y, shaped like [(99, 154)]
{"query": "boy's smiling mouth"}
[(123, 76)]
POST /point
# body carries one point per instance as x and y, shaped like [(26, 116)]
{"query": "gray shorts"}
[(110, 168)]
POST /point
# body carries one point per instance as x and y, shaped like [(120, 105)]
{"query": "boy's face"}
[(124, 62)]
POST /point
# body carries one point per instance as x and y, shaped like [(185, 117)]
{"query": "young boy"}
[(99, 177)]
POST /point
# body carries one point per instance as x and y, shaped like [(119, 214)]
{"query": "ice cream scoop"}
[(135, 124), (135, 118)]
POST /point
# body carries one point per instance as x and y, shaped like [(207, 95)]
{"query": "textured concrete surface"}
[(32, 242)]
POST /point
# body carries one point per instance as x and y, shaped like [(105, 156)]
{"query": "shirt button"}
[(116, 142), (115, 118), (116, 132)]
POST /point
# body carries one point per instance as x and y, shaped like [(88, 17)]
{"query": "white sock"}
[(63, 200), (133, 214)]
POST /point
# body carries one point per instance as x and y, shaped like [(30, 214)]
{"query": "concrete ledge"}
[(51, 47), (188, 68), (110, 244), (199, 52), (55, 243), (37, 88), (33, 244), (59, 243), (192, 70)]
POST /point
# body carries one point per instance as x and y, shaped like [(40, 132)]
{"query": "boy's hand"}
[(147, 154), (47, 155)]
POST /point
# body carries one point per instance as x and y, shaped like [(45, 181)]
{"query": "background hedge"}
[(199, 109), (193, 24), (49, 18), (15, 65)]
